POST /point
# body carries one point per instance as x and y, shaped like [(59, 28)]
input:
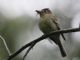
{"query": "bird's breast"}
[(45, 27)]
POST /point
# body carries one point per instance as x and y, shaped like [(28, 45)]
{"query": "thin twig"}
[(5, 44), (29, 50), (41, 38)]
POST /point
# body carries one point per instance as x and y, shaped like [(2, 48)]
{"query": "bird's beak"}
[(39, 12)]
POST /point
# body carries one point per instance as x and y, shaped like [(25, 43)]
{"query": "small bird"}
[(48, 23)]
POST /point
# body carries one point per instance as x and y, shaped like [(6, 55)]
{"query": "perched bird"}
[(48, 23)]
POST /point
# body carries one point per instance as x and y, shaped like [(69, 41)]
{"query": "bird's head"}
[(44, 11)]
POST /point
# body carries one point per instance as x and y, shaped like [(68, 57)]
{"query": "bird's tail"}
[(63, 53)]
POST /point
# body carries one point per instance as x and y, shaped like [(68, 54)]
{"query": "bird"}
[(48, 22)]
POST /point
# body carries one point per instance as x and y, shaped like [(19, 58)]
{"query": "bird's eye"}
[(45, 11)]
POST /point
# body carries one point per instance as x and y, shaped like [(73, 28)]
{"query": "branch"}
[(5, 44), (32, 45), (41, 38)]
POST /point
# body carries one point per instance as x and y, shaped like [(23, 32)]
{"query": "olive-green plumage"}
[(49, 23)]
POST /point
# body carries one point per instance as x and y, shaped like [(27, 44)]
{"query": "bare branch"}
[(41, 38), (5, 44), (29, 50)]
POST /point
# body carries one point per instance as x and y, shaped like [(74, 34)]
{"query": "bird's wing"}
[(53, 21), (59, 29)]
